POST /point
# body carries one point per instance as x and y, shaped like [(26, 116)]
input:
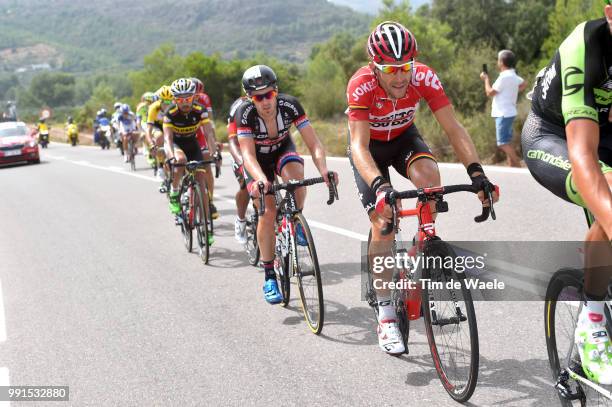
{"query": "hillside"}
[(87, 35)]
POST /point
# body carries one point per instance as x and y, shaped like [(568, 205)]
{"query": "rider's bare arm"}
[(149, 134), (247, 147), (457, 136), (210, 136), (234, 149), (168, 141), (582, 142), (316, 148), (360, 150)]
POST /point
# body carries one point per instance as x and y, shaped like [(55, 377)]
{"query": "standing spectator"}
[(504, 92)]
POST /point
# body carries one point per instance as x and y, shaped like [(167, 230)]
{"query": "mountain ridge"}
[(115, 33)]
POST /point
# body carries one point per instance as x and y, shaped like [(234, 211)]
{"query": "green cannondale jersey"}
[(577, 84)]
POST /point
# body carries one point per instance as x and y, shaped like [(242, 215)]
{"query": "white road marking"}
[(487, 168)]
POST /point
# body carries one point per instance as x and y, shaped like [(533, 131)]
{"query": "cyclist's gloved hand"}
[(254, 187), (481, 183), (326, 176), (382, 207)]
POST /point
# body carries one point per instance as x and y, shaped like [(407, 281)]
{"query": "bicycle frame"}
[(286, 208), (426, 226), (189, 179)]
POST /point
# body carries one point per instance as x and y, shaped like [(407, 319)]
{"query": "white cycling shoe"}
[(390, 337)]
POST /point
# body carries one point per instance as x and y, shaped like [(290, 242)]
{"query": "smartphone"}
[(484, 68)]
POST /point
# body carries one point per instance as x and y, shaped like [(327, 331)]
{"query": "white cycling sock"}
[(386, 311), (592, 312)]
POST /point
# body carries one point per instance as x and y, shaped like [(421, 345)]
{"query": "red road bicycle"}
[(450, 320)]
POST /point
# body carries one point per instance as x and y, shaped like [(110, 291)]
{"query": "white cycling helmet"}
[(183, 87)]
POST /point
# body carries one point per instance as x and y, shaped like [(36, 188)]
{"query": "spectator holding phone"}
[(504, 92)]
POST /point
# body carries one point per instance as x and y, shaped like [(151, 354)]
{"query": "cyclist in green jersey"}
[(567, 146)]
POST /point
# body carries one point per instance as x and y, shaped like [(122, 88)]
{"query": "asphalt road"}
[(98, 293)]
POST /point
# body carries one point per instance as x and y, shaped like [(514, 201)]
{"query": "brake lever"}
[(333, 191), (390, 227)]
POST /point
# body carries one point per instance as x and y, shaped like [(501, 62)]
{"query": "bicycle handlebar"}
[(292, 185), (191, 165), (425, 194)]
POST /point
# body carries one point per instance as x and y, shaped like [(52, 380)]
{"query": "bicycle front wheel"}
[(450, 322), (309, 277), (201, 224), (132, 158), (185, 220), (281, 268), (561, 309)]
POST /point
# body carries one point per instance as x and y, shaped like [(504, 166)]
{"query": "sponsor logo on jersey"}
[(548, 77), (393, 120), (573, 80), (288, 105), (428, 77), (364, 88), (246, 113), (603, 97)]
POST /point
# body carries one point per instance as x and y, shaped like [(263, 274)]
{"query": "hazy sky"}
[(371, 6)]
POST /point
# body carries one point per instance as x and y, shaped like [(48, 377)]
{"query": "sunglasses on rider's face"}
[(267, 95), (184, 99), (391, 69)]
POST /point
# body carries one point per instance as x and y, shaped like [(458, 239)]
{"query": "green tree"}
[(566, 15), (436, 49), (324, 87), (161, 67), (7, 81), (53, 88), (526, 30), (102, 97)]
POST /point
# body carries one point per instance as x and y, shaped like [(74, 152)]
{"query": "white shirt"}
[(507, 87)]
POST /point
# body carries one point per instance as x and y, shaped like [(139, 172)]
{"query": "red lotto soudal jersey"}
[(388, 117)]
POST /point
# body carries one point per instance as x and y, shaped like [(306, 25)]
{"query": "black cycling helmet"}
[(70, 119), (258, 77)]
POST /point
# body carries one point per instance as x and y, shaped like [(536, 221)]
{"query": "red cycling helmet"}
[(199, 85), (391, 42)]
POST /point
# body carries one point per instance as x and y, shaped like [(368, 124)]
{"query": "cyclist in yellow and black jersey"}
[(181, 124), (154, 136)]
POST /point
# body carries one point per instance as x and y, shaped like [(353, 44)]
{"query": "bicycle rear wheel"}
[(251, 246), (450, 323), (186, 225), (200, 220), (309, 278)]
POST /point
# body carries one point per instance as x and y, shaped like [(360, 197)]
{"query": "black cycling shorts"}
[(190, 147), (547, 158), (400, 153), (273, 163)]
